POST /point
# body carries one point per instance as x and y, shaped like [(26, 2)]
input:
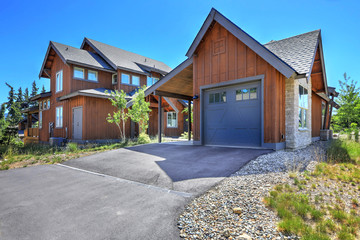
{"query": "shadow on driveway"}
[(185, 168)]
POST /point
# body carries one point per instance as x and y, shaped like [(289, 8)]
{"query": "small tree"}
[(119, 117), (43, 89), (26, 96), (139, 112)]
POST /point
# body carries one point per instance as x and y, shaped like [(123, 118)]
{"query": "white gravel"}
[(211, 215)]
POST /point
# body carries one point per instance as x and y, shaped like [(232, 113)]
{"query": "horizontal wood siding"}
[(234, 61)]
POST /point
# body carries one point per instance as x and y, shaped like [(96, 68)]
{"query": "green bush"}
[(72, 147), (143, 138)]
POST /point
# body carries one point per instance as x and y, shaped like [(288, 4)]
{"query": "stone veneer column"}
[(296, 138)]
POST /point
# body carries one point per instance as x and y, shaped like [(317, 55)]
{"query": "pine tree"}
[(34, 90), (19, 96), (13, 107), (3, 123), (26, 96), (43, 89)]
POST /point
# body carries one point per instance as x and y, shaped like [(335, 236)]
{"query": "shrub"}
[(143, 138), (337, 152), (72, 147)]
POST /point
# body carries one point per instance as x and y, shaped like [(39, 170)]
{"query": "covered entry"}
[(232, 115)]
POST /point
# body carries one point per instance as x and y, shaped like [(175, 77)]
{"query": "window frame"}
[(96, 76), (40, 119), (59, 82), (132, 78), (61, 117), (176, 119), (222, 94), (152, 79), (83, 72), (112, 79), (122, 74), (48, 104), (303, 108)]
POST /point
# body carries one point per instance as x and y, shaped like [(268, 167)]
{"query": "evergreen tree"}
[(26, 96), (19, 96), (43, 89), (34, 90), (349, 101), (3, 123), (13, 107)]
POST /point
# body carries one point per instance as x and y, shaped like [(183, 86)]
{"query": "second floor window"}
[(125, 78), (59, 117), (135, 80), (114, 79), (151, 80), (78, 73), (59, 81), (92, 75)]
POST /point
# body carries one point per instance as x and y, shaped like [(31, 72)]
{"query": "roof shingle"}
[(297, 51)]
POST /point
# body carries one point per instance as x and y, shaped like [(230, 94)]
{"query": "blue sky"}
[(164, 30)]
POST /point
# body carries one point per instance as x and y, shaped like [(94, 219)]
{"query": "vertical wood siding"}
[(236, 61), (316, 116)]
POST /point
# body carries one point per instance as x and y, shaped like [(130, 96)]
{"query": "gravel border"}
[(211, 215)]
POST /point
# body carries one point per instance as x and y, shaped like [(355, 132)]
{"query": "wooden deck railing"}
[(31, 132)]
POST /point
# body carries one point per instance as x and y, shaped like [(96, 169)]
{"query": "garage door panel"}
[(234, 121)]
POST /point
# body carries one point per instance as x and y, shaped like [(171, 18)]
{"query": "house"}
[(248, 94), (77, 104)]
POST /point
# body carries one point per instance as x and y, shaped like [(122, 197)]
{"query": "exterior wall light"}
[(196, 97)]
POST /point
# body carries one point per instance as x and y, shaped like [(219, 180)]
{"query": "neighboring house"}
[(249, 94), (77, 105)]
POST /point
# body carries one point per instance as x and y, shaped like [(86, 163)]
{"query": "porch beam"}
[(173, 95), (159, 119), (189, 120)]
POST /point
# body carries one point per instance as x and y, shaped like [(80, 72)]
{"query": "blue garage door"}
[(232, 115)]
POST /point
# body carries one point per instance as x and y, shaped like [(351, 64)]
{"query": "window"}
[(78, 73), (40, 119), (323, 110), (40, 105), (303, 107), (59, 81), (172, 120), (48, 104), (92, 75), (217, 97), (135, 80), (125, 78), (59, 117), (114, 79), (246, 94), (151, 80), (45, 105)]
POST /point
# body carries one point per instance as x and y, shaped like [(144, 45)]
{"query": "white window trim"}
[(122, 78), (59, 85), (116, 79), (132, 80), (40, 119), (96, 74), (167, 118), (79, 69), (303, 117), (61, 120)]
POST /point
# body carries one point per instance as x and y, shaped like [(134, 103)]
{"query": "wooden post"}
[(159, 119), (189, 120)]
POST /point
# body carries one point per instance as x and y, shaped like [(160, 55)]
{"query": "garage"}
[(232, 115)]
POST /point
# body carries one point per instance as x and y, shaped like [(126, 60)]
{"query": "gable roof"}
[(297, 51), (254, 45), (77, 56), (122, 59)]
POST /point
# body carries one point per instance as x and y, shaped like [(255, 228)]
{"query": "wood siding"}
[(221, 57), (316, 115)]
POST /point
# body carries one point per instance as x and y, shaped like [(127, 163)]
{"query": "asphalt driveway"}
[(130, 198)]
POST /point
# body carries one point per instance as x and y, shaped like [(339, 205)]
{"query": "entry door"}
[(232, 115), (77, 123)]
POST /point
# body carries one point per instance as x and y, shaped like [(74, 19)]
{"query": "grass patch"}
[(304, 211)]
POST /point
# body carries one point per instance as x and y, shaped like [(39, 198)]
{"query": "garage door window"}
[(246, 94), (217, 97)]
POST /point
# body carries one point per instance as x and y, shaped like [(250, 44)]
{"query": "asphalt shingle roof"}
[(129, 60), (81, 56), (297, 51)]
